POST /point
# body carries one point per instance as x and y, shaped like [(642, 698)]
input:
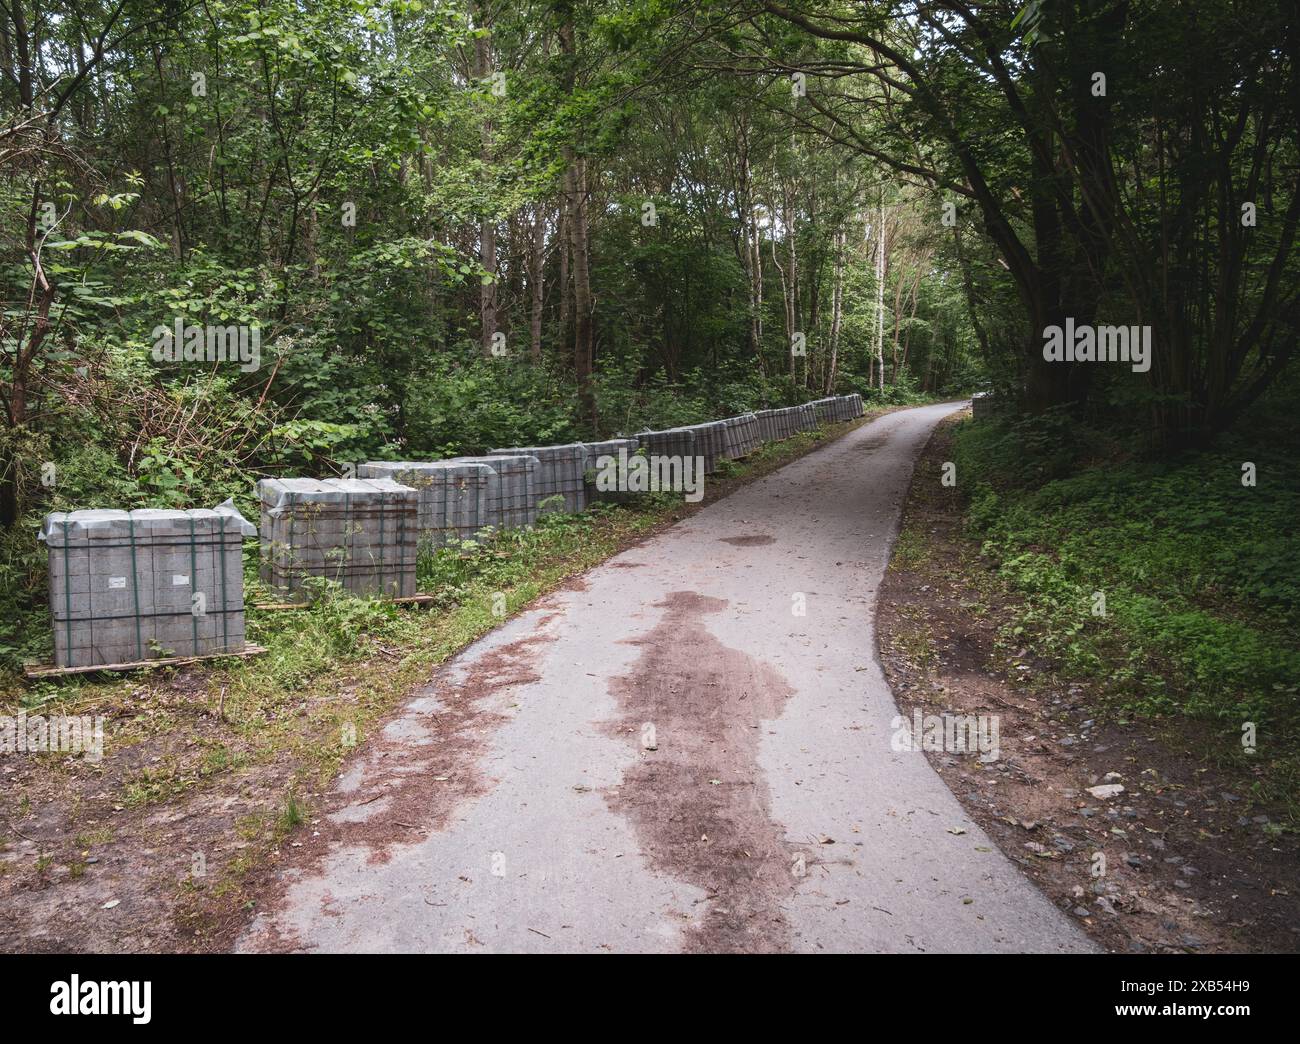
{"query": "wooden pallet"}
[(47, 671), (420, 599)]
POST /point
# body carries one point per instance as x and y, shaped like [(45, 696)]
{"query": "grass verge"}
[(1171, 585)]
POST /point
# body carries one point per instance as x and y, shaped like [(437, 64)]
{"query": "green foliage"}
[(1200, 574), (479, 404)]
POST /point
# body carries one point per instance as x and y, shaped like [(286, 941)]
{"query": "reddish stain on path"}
[(698, 803)]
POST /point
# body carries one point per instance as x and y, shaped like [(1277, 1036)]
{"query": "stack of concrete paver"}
[(805, 418), (673, 442), (769, 428), (361, 533), (785, 422), (742, 436), (984, 404), (128, 586), (559, 475), (834, 410), (710, 442), (512, 491), (605, 467), (454, 497)]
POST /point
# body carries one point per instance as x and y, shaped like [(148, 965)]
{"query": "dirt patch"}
[(698, 801), (1187, 863), (103, 857), (758, 540)]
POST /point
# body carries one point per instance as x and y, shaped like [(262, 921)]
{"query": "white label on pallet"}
[(116, 582), (180, 580)]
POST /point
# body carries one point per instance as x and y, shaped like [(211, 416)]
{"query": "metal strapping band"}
[(225, 619), (67, 596), (194, 575), (135, 589)]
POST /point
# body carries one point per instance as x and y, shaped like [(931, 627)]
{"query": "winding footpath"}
[(665, 756)]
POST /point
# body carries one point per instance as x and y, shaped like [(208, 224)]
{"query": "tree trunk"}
[(579, 242), (536, 283), (487, 222), (880, 296), (837, 311), (790, 278), (583, 355)]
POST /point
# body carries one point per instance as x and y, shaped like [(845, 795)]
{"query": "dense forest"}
[(239, 240)]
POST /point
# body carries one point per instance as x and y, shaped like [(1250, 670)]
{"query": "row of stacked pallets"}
[(128, 587)]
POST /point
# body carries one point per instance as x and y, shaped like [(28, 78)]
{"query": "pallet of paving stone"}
[(512, 493), (130, 586), (732, 444), (768, 427), (710, 442), (360, 533), (742, 436), (609, 459), (560, 473), (454, 496), (782, 422), (984, 404), (772, 421), (825, 410), (805, 418), (673, 442)]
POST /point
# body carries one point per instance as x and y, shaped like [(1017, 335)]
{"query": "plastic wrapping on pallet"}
[(362, 533), (769, 429), (454, 496), (598, 452), (784, 422), (742, 436), (512, 494), (828, 410), (710, 442), (805, 417), (674, 442), (608, 448), (560, 471)]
